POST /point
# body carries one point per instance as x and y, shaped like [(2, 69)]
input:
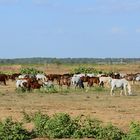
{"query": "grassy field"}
[(96, 103), (60, 69)]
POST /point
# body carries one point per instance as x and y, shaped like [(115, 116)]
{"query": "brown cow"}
[(93, 80), (32, 83), (65, 81), (115, 75), (131, 77), (52, 77), (14, 76), (3, 78)]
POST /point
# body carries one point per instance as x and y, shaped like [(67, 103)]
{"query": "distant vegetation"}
[(60, 61)]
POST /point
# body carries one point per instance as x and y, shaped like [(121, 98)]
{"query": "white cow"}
[(75, 79), (90, 74), (48, 84), (79, 75), (105, 81), (120, 83), (22, 76), (20, 83), (41, 77)]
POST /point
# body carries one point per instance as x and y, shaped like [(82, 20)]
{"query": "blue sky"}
[(69, 28)]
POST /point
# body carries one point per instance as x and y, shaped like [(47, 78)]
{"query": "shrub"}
[(110, 132), (40, 121), (60, 126), (134, 133), (87, 127), (87, 70), (84, 70), (32, 71), (10, 130)]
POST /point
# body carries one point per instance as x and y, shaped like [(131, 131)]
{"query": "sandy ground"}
[(119, 110)]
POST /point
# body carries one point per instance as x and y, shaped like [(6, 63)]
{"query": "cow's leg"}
[(121, 93), (125, 90), (4, 82), (112, 90)]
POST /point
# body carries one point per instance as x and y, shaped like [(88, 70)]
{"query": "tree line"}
[(59, 61)]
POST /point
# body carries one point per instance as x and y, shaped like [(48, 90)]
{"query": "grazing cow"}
[(32, 83), (21, 83), (52, 77), (28, 83), (122, 75), (68, 75), (14, 76), (138, 78), (102, 75), (22, 76), (41, 77), (77, 81), (115, 75), (65, 81), (85, 78), (3, 78), (90, 74), (48, 84), (93, 80), (131, 77), (80, 84), (74, 80), (79, 75), (104, 81), (120, 83)]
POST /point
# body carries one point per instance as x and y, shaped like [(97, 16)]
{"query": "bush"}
[(87, 127), (87, 70), (32, 71), (60, 126), (40, 122), (84, 70), (134, 133), (110, 132), (10, 130)]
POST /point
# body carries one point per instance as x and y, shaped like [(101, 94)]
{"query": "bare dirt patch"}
[(119, 110)]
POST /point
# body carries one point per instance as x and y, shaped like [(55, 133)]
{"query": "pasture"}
[(96, 103)]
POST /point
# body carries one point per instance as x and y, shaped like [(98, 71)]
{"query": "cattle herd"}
[(37, 81)]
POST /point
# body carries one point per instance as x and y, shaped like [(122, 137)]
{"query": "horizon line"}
[(74, 58)]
